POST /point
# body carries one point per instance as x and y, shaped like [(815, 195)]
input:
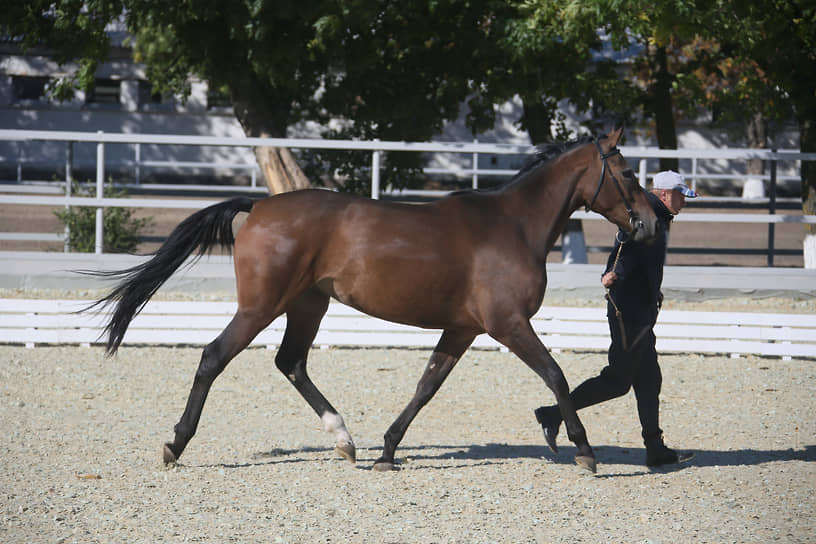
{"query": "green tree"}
[(755, 60), (547, 53), (776, 40), (397, 69)]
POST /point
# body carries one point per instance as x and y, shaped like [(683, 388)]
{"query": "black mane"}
[(548, 151)]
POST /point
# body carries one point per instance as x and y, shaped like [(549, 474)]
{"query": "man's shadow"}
[(610, 455)]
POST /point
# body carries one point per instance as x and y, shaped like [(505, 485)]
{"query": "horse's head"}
[(612, 191)]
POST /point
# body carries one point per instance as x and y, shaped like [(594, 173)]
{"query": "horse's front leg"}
[(444, 357), (522, 340)]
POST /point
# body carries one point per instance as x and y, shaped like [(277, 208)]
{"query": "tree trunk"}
[(757, 139), (757, 132), (662, 107), (536, 120), (265, 116), (280, 170), (807, 144)]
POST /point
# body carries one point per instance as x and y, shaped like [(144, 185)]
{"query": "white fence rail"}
[(376, 148), (38, 322)]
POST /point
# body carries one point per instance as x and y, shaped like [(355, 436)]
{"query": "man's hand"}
[(608, 279)]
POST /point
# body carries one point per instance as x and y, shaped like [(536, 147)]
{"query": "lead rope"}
[(608, 295)]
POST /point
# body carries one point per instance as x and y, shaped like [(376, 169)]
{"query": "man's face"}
[(673, 200)]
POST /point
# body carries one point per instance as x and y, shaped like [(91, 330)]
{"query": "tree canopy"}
[(399, 70)]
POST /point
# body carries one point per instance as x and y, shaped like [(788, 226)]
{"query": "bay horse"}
[(473, 262)]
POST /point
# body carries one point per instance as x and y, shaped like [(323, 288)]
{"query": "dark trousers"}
[(635, 367)]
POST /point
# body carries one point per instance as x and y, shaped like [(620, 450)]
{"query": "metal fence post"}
[(100, 189), (772, 210), (375, 173)]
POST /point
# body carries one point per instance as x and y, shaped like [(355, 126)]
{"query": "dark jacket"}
[(636, 292)]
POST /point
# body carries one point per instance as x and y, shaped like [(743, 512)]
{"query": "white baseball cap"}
[(670, 179)]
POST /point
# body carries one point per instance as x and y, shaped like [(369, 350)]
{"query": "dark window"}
[(105, 91), (147, 96), (29, 87), (217, 100), (152, 100)]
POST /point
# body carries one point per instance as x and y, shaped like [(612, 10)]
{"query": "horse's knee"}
[(284, 362), (212, 363), (292, 367)]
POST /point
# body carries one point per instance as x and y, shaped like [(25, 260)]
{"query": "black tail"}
[(198, 233)]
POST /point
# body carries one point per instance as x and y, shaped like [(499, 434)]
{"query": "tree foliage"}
[(399, 70), (776, 41)]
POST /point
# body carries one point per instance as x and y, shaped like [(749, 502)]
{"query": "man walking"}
[(633, 277)]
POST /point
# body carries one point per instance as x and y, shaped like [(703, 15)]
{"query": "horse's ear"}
[(615, 135)]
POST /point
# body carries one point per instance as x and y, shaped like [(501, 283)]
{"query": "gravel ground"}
[(83, 434)]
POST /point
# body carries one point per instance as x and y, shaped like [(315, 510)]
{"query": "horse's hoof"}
[(347, 452), (168, 455), (587, 462), (384, 466)]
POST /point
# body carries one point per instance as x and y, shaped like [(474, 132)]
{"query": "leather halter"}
[(604, 156)]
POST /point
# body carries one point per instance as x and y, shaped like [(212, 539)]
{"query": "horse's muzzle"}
[(640, 231)]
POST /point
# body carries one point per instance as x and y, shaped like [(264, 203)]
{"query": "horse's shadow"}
[(491, 453)]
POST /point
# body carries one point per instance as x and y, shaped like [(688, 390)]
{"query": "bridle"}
[(604, 156)]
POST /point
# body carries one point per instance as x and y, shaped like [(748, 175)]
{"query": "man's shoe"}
[(661, 455), (550, 419)]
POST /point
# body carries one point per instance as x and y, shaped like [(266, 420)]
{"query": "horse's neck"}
[(544, 201)]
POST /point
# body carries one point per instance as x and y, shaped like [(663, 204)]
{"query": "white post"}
[(809, 249), (642, 173), (69, 160), (100, 187), (138, 157), (573, 244), (694, 174), (475, 166), (375, 174)]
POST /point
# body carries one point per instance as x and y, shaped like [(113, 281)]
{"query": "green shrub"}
[(121, 229)]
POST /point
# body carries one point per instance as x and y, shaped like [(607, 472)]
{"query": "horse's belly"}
[(403, 300)]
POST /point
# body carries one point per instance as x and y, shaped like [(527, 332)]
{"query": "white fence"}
[(41, 322), (376, 148)]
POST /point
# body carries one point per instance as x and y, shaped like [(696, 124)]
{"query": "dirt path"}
[(82, 436)]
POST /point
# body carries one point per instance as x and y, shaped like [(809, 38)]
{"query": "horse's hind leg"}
[(444, 357), (214, 359), (303, 318)]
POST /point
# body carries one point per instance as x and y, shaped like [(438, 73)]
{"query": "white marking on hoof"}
[(333, 423)]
